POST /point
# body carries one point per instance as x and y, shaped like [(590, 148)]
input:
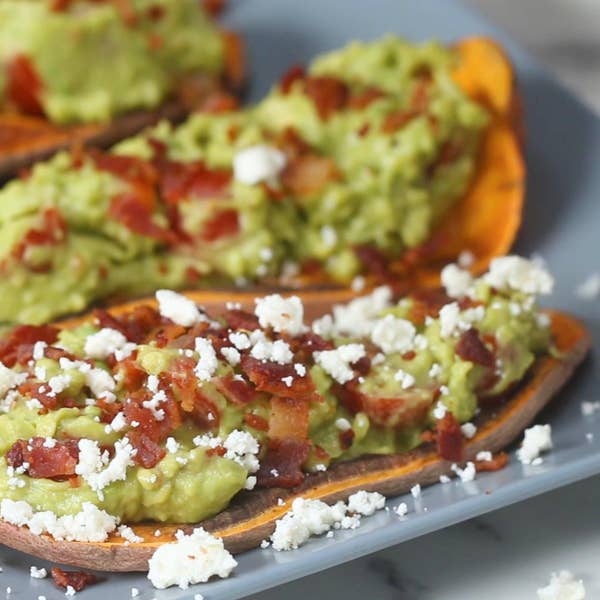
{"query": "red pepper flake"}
[(329, 94), (24, 86), (471, 348), (449, 438), (78, 580), (293, 74)]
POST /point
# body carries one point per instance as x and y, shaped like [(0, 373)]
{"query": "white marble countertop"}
[(510, 553)]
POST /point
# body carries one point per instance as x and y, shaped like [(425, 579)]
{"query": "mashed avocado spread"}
[(82, 61), (166, 414), (338, 169)]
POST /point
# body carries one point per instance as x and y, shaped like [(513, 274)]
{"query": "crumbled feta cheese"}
[(107, 341), (406, 379), (435, 371), (172, 445), (9, 379), (179, 309), (402, 509), (119, 422), (59, 383), (306, 518), (289, 380), (70, 591), (562, 586), (208, 361), (537, 439), (358, 284), (282, 314), (415, 490), (232, 355), (393, 335), (484, 456), (329, 236), (519, 274), (258, 163), (445, 479), (39, 349), (468, 430), (100, 382), (449, 319), (440, 410), (300, 369), (89, 525), (467, 474), (337, 363), (250, 482), (456, 281), (365, 503), (128, 534), (36, 573), (153, 404), (343, 424), (242, 447), (96, 468), (589, 408), (135, 592), (240, 340), (277, 351), (590, 288), (193, 558), (465, 259)]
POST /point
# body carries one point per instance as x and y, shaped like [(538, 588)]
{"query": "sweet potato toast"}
[(26, 139), (251, 516)]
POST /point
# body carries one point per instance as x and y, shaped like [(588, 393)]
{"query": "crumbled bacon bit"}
[(363, 99), (329, 94), (293, 74), (256, 421), (346, 438), (282, 465), (427, 303), (24, 86), (449, 438), (237, 391), (234, 59), (219, 102), (292, 143), (149, 453), (57, 462), (241, 319), (499, 461), (78, 580), (214, 7), (155, 12), (224, 223), (308, 174), (180, 181), (24, 335), (397, 119), (471, 348), (289, 419), (373, 259)]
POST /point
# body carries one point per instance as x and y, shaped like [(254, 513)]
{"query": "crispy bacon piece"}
[(58, 462), (237, 391), (24, 336), (78, 580), (241, 319), (373, 259), (308, 174), (363, 99), (294, 73), (305, 344), (136, 325), (419, 100), (214, 7), (289, 419), (268, 377), (256, 421), (224, 223), (329, 94), (449, 438), (40, 392), (290, 142), (282, 465), (471, 348), (180, 181), (427, 303), (155, 12), (219, 102), (346, 438), (24, 86), (499, 461), (129, 168), (149, 453), (234, 59), (397, 120)]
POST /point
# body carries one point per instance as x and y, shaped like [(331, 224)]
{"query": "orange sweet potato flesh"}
[(251, 516)]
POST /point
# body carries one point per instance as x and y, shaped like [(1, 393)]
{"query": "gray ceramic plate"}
[(561, 223)]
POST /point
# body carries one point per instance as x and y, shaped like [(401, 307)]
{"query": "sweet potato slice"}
[(25, 139), (251, 517)]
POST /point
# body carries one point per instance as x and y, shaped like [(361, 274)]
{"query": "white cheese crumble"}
[(562, 586), (179, 309), (589, 289), (193, 558), (329, 236), (402, 509), (519, 274), (467, 474), (96, 468), (365, 503), (440, 410), (39, 349), (282, 314), (465, 259), (258, 163), (537, 439), (415, 491), (468, 430), (589, 408), (128, 534), (208, 361), (392, 334), (240, 340), (405, 379), (484, 456), (107, 341), (343, 424), (9, 379), (337, 362), (36, 573), (231, 355), (242, 447), (456, 281), (264, 349), (89, 525)]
